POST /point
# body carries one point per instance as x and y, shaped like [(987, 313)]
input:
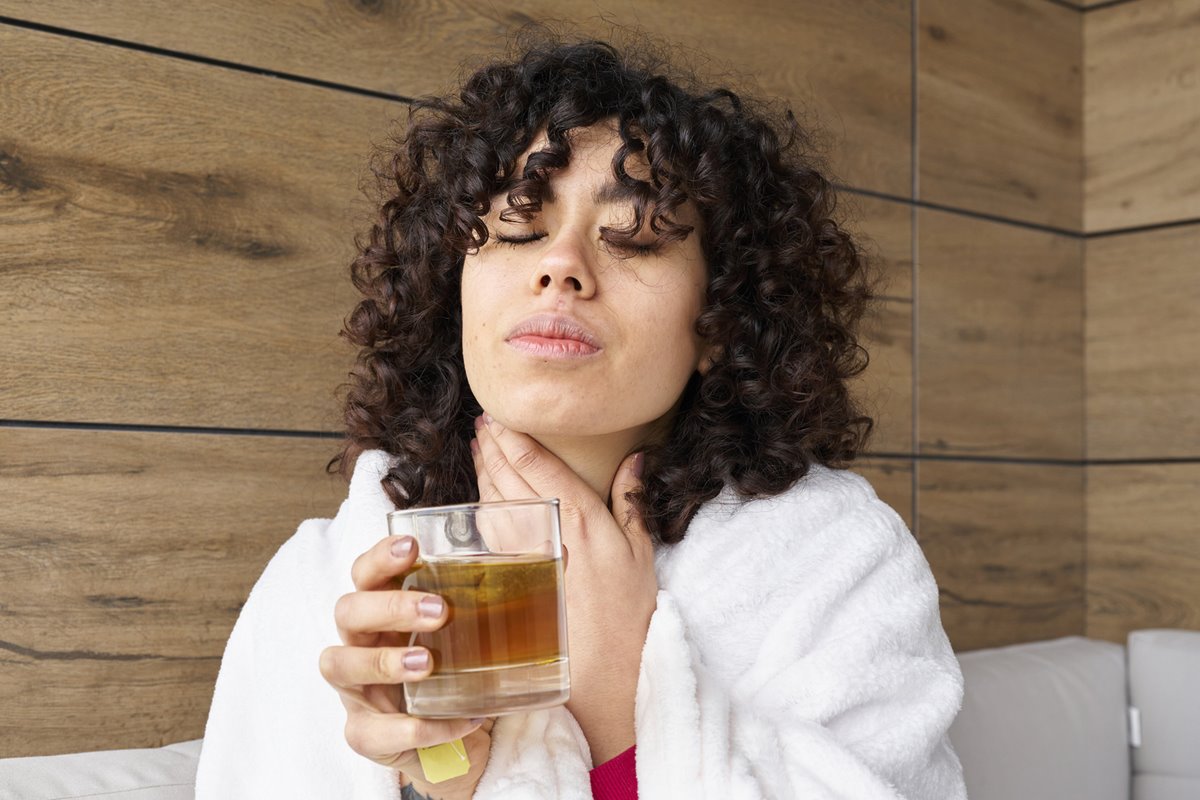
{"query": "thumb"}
[(628, 479)]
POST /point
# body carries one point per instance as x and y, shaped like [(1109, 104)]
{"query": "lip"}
[(554, 336)]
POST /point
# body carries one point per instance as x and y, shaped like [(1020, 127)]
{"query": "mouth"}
[(554, 336)]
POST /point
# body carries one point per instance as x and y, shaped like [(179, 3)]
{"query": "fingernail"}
[(475, 446), (416, 660), (476, 720), (402, 546), (639, 463), (479, 422), (431, 606)]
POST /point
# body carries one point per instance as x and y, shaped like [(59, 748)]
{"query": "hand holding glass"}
[(499, 568)]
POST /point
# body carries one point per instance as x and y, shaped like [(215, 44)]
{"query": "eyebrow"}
[(608, 194)]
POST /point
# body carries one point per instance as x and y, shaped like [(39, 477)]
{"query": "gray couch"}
[(1067, 719), (1078, 718)]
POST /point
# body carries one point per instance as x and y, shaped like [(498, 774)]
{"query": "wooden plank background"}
[(1142, 213), (999, 108), (173, 222), (125, 559), (178, 197), (845, 61), (1142, 148)]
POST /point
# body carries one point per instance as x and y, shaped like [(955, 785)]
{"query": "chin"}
[(560, 421)]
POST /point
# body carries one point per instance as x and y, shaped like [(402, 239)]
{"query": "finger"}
[(488, 492), (385, 698), (387, 558), (390, 739), (361, 615), (540, 470), (506, 479), (629, 480), (353, 667)]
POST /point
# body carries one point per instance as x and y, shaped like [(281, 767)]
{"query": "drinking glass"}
[(499, 568)]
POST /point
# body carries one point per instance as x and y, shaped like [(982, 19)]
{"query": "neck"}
[(593, 458)]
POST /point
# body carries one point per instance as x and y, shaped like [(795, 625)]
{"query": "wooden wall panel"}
[(892, 479), (124, 559), (1000, 339), (1143, 548), (999, 108), (1142, 113), (1143, 344), (847, 62), (886, 386), (884, 229), (1005, 542), (179, 238)]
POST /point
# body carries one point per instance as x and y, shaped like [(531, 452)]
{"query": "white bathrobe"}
[(796, 652)]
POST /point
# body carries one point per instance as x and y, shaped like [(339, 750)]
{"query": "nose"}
[(566, 265)]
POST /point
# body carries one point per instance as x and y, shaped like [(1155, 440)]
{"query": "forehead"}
[(592, 151), (590, 170)]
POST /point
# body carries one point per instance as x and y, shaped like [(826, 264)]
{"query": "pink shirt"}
[(616, 778)]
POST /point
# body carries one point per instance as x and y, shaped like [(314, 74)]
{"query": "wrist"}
[(453, 789)]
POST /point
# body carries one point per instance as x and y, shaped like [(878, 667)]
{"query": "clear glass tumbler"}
[(499, 567)]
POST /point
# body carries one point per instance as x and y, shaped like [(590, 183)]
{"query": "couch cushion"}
[(1164, 787), (1164, 686), (1044, 720), (160, 773)]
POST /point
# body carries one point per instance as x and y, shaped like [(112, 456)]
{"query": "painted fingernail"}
[(476, 720), (639, 464), (402, 546), (416, 660), (475, 446), (479, 423), (431, 606), (487, 418)]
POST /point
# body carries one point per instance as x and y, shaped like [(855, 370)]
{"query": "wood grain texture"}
[(1143, 548), (124, 560), (1142, 114), (885, 388), (183, 234), (1000, 339), (999, 108), (892, 479), (883, 232), (846, 66), (1006, 544), (1143, 345)]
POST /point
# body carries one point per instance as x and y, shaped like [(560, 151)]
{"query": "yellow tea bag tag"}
[(444, 761)]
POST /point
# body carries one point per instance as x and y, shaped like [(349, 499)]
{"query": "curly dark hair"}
[(787, 286)]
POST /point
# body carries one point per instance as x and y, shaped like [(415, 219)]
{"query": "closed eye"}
[(635, 248), (515, 240)]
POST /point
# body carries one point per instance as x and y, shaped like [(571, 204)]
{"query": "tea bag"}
[(444, 761)]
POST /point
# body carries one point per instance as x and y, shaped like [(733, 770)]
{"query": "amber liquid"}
[(503, 647)]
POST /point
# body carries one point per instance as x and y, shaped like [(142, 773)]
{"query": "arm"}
[(821, 670), (275, 727)]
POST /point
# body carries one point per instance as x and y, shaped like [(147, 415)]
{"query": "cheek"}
[(474, 321)]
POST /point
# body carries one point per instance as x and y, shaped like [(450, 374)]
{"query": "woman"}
[(589, 282)]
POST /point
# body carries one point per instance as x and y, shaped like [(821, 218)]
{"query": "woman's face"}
[(561, 337)]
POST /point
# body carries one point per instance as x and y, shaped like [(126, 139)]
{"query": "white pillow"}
[(1044, 721), (1164, 687), (158, 773)]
